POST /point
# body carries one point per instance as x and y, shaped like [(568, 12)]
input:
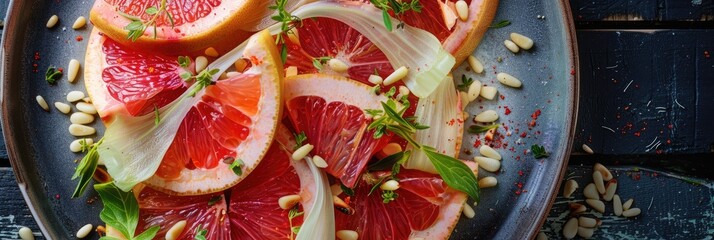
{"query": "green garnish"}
[(214, 200), (398, 8), (319, 62), (236, 166), (475, 129), (121, 211), (501, 24), (391, 92), (375, 186), (388, 196), (299, 140), (85, 169), (539, 151), (203, 79), (184, 61), (346, 190), (201, 233), (157, 115), (137, 26), (287, 23), (293, 213), (465, 83), (52, 75)]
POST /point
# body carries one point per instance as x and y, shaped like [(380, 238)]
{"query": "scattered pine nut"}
[(289, 201), (211, 52), (469, 211), (86, 108), (488, 164), (234, 73), (84, 231), (25, 233), (486, 116), (175, 231), (390, 185), (599, 183), (523, 42), (570, 229), (201, 63), (462, 10), (626, 206), (632, 212), (474, 90), (347, 235), (489, 152), (606, 174), (585, 232), (617, 205), (63, 107), (73, 70), (511, 46), (508, 80), (488, 92), (76, 145), (397, 75), (475, 64), (81, 118), (569, 188), (375, 79), (52, 21), (588, 150), (291, 71), (587, 222), (78, 130), (596, 204), (610, 190), (337, 65), (87, 100), (487, 182), (404, 91), (319, 162), (302, 152), (542, 236), (576, 208), (241, 65), (79, 23), (43, 104), (391, 149), (74, 96)]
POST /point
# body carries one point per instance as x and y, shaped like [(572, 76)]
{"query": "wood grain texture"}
[(14, 214), (643, 10)]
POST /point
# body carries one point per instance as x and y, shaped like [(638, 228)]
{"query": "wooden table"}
[(646, 109)]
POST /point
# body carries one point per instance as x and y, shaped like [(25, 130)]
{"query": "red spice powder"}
[(79, 38), (508, 110)]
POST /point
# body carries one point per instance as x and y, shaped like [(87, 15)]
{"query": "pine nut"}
[(302, 152), (587, 222), (289, 201), (175, 231), (43, 104), (63, 107), (487, 116), (488, 164), (87, 100), (511, 46), (588, 150), (375, 79), (462, 9), (487, 182), (390, 185), (570, 229), (590, 192), (469, 211), (337, 65), (76, 145), (391, 149), (508, 80), (626, 206), (610, 190), (81, 130), (25, 233), (86, 108), (576, 208), (569, 188), (79, 23), (596, 204), (542, 236), (241, 64), (74, 96), (81, 118), (84, 231), (201, 63), (632, 212), (488, 92), (489, 152), (397, 75), (606, 174), (52, 21), (404, 91), (585, 232), (319, 162), (291, 71), (232, 74), (523, 42), (464, 100), (72, 70), (617, 205), (342, 206), (336, 189), (474, 90), (347, 235), (599, 183), (475, 64), (211, 52)]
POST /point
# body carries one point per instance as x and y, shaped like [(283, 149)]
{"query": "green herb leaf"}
[(475, 129), (152, 11), (157, 115), (149, 234), (539, 151), (465, 83), (387, 20), (184, 61), (52, 75), (186, 76), (391, 92), (389, 161), (295, 229), (294, 212), (375, 186), (299, 140), (200, 233), (85, 169), (388, 196), (455, 173), (346, 190), (501, 24), (121, 211), (214, 200), (137, 26), (236, 166)]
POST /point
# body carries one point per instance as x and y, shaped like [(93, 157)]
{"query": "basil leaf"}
[(482, 129), (387, 20), (386, 163), (85, 170), (148, 234), (455, 173), (121, 211)]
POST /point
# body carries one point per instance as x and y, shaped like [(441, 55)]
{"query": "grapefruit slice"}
[(330, 111), (235, 118), (249, 210), (197, 24), (425, 208)]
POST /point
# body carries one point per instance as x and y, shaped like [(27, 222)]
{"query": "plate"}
[(38, 141)]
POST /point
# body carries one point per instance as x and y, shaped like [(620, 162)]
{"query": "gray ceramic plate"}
[(38, 142)]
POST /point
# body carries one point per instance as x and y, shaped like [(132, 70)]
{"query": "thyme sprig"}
[(398, 8), (288, 22), (138, 26)]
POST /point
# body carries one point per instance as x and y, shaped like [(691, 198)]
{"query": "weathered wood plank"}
[(643, 10), (14, 213)]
